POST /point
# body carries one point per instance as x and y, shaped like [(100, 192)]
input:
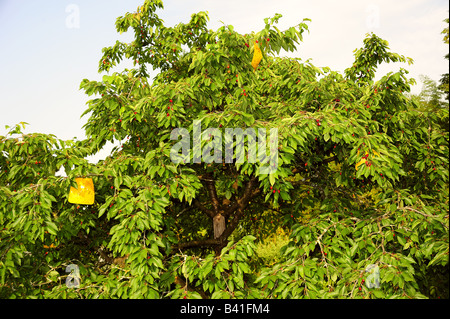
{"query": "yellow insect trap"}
[(257, 56), (85, 193)]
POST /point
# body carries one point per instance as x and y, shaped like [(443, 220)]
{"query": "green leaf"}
[(334, 276), (272, 179), (52, 228), (407, 276), (440, 257), (388, 276), (301, 271), (401, 240), (244, 267), (378, 293)]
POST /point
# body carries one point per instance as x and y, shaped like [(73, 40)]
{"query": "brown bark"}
[(218, 225)]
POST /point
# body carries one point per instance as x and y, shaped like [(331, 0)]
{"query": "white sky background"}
[(43, 57)]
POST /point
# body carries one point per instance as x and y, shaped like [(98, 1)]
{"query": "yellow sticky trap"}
[(257, 56), (85, 194)]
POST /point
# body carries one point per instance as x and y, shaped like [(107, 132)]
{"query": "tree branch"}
[(243, 201), (202, 208), (240, 205), (180, 281), (211, 187), (197, 243)]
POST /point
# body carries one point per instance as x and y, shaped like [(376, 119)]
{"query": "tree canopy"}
[(443, 86), (361, 178)]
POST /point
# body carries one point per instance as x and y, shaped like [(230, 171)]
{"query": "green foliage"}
[(443, 85), (150, 232), (220, 276), (431, 96), (327, 258), (269, 250)]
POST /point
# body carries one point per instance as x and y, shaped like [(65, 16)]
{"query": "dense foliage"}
[(362, 177)]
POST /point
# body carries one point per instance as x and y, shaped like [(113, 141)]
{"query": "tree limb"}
[(202, 208), (197, 243), (241, 205), (211, 187)]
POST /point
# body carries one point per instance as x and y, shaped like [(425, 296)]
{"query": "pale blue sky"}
[(42, 60)]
